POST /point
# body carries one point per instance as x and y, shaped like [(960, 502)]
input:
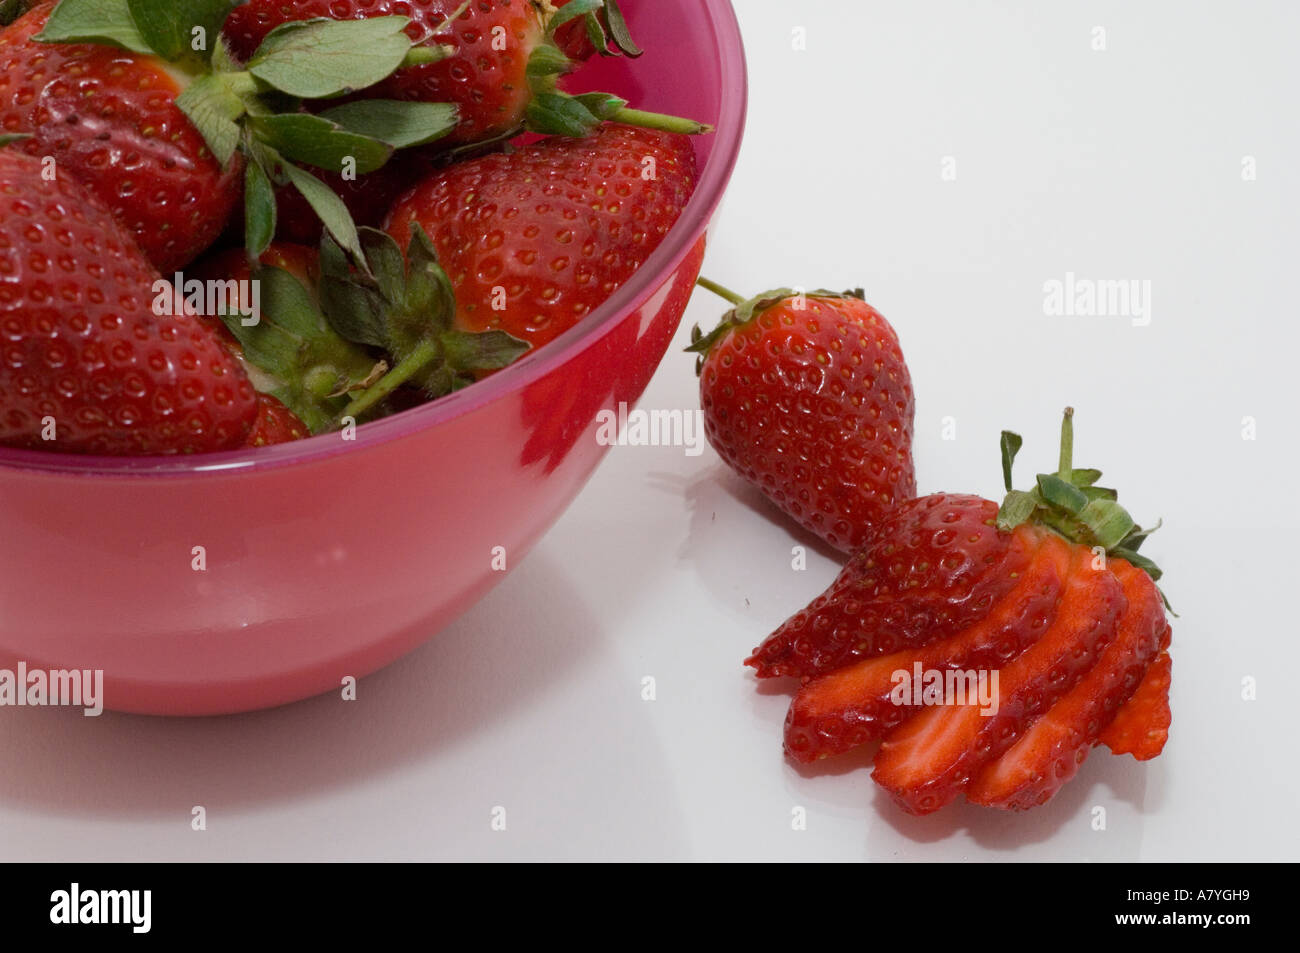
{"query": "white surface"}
[(1117, 164)]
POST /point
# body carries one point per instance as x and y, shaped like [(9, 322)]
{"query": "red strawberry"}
[(1050, 752), (81, 346), (1141, 727), (108, 116), (856, 704), (932, 566), (276, 423), (809, 398), (929, 759), (535, 239), (501, 73)]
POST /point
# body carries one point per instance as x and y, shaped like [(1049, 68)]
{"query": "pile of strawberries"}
[(227, 225), (809, 398)]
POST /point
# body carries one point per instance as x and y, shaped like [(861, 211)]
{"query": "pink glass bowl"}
[(326, 558)]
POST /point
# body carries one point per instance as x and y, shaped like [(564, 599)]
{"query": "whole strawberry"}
[(109, 116), (536, 239), (808, 398), (97, 354)]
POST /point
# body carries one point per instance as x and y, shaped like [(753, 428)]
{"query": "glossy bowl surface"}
[(247, 580)]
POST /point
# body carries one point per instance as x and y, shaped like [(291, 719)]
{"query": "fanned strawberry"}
[(932, 566), (926, 762), (809, 399), (93, 358), (1141, 727), (857, 704), (109, 117), (275, 423), (931, 758), (1050, 752)]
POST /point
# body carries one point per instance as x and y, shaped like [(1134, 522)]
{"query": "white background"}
[(1117, 164)]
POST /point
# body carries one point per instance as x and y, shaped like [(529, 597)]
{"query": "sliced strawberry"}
[(927, 761), (855, 705), (1141, 727), (933, 567), (1049, 753)]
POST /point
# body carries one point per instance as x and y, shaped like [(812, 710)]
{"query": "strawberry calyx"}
[(746, 310), (553, 112), (294, 355), (1070, 503), (406, 306)]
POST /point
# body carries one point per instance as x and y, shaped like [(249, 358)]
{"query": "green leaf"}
[(430, 302), (483, 351), (1140, 562), (555, 114), (313, 367), (601, 105), (322, 58), (11, 10), (259, 210), (1059, 493), (9, 138), (215, 110), (168, 26), (619, 32), (329, 208), (547, 60), (1100, 493), (1108, 522), (571, 11), (1011, 444), (1134, 540), (358, 310), (1016, 509), (400, 124), (302, 137), (1084, 478), (94, 21)]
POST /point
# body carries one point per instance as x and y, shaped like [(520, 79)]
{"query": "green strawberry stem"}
[(661, 122), (422, 357), (1067, 445), (725, 293)]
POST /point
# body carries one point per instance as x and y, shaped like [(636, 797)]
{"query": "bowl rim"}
[(727, 137)]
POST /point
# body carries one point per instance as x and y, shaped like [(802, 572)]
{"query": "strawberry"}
[(808, 398), (932, 566), (276, 423), (553, 228), (367, 198), (97, 353), (853, 705), (1051, 750), (109, 117), (503, 61)]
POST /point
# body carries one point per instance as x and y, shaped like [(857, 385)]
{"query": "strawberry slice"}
[(932, 567), (1141, 727), (1049, 753), (855, 705), (927, 761)]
